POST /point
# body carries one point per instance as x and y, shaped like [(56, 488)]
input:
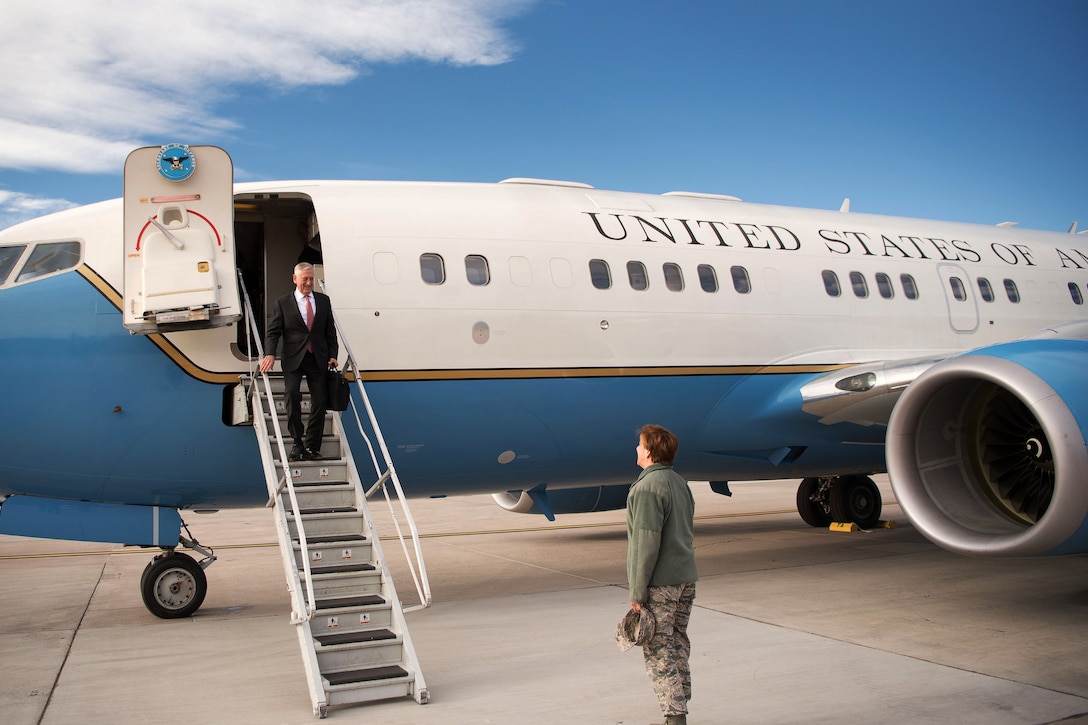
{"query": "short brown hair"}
[(660, 443)]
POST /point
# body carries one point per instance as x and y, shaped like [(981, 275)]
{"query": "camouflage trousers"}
[(668, 652)]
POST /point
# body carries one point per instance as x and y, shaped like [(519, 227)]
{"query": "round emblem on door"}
[(176, 162)]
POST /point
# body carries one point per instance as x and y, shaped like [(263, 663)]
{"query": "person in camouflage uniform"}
[(661, 569)]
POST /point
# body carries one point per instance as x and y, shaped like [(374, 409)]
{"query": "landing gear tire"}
[(173, 586), (812, 503), (856, 499)]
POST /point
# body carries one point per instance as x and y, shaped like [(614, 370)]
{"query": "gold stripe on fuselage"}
[(208, 376)]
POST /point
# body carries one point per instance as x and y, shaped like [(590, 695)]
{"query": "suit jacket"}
[(287, 323)]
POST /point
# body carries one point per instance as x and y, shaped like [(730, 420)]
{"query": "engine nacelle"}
[(564, 500), (986, 451)]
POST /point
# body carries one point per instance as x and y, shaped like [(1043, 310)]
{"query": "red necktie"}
[(309, 321)]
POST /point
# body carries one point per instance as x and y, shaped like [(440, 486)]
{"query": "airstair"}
[(350, 622)]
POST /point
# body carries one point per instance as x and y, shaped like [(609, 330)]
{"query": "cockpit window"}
[(43, 259), (48, 258), (8, 257)]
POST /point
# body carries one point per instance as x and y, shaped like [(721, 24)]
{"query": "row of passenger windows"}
[(433, 271), (45, 258)]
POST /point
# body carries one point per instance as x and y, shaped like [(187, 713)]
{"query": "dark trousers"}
[(316, 380)]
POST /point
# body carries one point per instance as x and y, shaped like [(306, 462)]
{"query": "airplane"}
[(514, 336)]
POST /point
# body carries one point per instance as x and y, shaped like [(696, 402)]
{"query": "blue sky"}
[(970, 110)]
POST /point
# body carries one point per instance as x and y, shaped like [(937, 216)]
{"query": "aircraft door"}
[(180, 270), (960, 298)]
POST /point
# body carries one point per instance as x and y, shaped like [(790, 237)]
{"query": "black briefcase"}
[(339, 391)]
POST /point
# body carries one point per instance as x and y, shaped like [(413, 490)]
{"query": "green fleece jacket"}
[(660, 530)]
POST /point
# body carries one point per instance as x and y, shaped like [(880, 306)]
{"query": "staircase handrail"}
[(303, 608), (422, 583)]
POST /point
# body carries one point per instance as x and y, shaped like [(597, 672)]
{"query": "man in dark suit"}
[(303, 318)]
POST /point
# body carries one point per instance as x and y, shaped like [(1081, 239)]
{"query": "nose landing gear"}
[(173, 585)]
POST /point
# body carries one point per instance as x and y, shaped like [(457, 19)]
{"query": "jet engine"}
[(564, 500), (986, 451)]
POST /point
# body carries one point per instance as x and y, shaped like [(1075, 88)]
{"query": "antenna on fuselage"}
[(845, 204)]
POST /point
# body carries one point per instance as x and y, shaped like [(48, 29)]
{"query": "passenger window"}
[(884, 285), (985, 289), (741, 282), (860, 286), (432, 268), (636, 274), (48, 258), (958, 290), (1076, 294), (8, 257), (708, 278), (910, 287), (1012, 291), (600, 274), (476, 270), (674, 278), (831, 283)]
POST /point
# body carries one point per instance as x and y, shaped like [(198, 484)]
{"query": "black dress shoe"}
[(297, 453), (311, 455)]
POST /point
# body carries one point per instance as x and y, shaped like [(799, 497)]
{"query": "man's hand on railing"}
[(267, 362)]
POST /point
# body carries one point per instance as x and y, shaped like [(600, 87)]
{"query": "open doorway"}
[(273, 232)]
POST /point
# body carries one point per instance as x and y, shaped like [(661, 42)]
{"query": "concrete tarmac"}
[(791, 625)]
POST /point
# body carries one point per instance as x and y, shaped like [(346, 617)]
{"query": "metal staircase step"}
[(368, 674), (318, 473), (335, 550), (321, 499), (327, 603), (328, 510), (375, 653), (345, 539), (341, 568), (327, 525), (372, 635), (352, 619)]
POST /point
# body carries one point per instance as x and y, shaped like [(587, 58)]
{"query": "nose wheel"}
[(173, 586)]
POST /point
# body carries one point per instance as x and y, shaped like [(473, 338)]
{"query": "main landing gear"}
[(823, 501), (173, 585)]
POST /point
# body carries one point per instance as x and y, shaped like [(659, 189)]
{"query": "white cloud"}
[(76, 75), (16, 207)]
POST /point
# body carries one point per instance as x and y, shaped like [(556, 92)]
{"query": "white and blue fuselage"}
[(514, 337)]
